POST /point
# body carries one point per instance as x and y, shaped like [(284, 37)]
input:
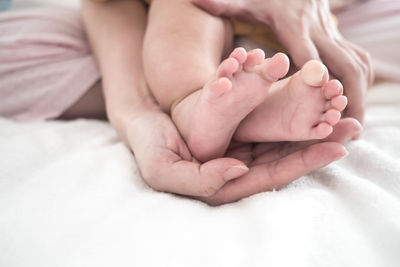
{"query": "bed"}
[(71, 195)]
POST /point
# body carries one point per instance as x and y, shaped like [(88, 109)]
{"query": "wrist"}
[(123, 118)]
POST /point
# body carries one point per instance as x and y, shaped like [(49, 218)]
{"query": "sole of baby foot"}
[(208, 117), (304, 106)]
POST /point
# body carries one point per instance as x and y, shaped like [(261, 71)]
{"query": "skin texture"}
[(271, 165), (154, 139), (208, 118), (301, 107), (306, 29), (274, 165)]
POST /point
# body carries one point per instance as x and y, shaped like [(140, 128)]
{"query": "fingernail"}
[(235, 172)]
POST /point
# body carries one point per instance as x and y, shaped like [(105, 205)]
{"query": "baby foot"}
[(208, 117), (302, 107)]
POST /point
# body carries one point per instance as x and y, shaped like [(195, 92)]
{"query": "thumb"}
[(276, 174), (226, 168), (195, 179)]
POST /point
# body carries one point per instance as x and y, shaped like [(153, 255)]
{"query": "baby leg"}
[(183, 47), (207, 99)]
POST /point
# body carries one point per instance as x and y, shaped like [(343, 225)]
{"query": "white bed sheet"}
[(71, 195)]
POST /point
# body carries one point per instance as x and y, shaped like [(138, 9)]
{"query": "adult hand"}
[(274, 165), (306, 29), (167, 165)]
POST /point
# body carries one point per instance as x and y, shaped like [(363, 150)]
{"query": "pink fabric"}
[(375, 26), (45, 63)]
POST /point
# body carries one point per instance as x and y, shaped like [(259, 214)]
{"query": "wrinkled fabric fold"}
[(45, 63), (375, 26)]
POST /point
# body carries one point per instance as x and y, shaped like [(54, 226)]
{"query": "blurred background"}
[(5, 5)]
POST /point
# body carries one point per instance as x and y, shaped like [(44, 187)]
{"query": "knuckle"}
[(365, 70), (207, 191), (355, 70), (368, 56), (365, 58)]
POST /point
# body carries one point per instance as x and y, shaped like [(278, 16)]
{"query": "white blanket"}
[(71, 195)]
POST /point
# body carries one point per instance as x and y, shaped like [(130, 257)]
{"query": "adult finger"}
[(278, 173), (298, 43), (361, 57), (345, 67), (366, 59), (345, 130), (192, 178)]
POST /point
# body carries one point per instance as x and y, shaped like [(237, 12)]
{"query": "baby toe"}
[(218, 87), (339, 102), (240, 54), (321, 131), (314, 73), (254, 58), (332, 116), (332, 88), (275, 68), (228, 67)]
